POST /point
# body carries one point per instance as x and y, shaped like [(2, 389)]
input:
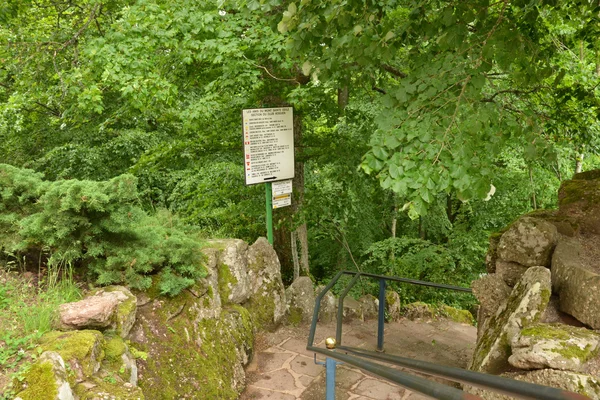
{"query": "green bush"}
[(99, 226), (422, 260)]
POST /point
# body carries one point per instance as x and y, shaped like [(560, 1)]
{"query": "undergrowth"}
[(98, 227), (28, 309)]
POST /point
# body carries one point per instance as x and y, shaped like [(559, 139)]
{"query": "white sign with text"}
[(268, 144)]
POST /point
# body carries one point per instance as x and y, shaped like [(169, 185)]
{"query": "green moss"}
[(575, 352), (456, 315), (84, 346), (114, 349), (575, 191), (111, 385), (295, 316), (226, 282), (41, 383), (563, 334), (138, 354), (208, 345)]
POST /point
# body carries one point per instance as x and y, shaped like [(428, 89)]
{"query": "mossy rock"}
[(188, 354), (46, 379), (109, 387), (555, 346), (267, 303), (524, 307), (456, 315), (579, 200), (82, 350), (418, 310)]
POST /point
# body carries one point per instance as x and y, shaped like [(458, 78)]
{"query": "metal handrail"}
[(511, 387)]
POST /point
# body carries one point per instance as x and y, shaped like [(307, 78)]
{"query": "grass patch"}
[(28, 309)]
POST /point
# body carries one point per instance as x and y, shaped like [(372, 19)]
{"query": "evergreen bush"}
[(98, 226)]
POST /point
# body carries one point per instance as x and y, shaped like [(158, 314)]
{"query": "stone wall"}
[(540, 301), (119, 345)]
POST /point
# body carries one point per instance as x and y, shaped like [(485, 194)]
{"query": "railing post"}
[(381, 315), (330, 367)]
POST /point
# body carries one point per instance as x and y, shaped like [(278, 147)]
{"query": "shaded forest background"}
[(421, 126)]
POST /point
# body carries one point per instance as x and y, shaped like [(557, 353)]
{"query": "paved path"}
[(282, 368)]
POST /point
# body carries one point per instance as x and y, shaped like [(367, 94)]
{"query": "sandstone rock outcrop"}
[(328, 308), (553, 346), (492, 292), (576, 282), (300, 296), (523, 307), (560, 350), (529, 242), (113, 307), (573, 382), (267, 303)]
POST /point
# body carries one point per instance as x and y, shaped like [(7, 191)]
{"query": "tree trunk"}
[(294, 240), (343, 98), (579, 162), (302, 234), (532, 188)]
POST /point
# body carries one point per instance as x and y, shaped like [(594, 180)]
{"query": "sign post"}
[(268, 135), (269, 204)]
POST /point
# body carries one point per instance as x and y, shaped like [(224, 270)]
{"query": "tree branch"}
[(512, 91), (270, 74), (394, 71)]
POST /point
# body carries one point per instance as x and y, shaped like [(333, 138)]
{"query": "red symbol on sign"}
[(246, 142), (248, 164), (247, 156)]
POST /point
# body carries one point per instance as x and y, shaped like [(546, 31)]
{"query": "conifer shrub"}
[(98, 226)]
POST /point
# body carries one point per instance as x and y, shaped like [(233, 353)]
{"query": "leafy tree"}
[(459, 82)]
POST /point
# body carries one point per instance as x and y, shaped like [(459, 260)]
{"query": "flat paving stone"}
[(296, 346), (379, 390), (268, 362), (285, 370), (306, 366), (280, 381), (262, 394)]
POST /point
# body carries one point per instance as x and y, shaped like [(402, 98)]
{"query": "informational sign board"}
[(282, 187), (282, 200), (268, 144)]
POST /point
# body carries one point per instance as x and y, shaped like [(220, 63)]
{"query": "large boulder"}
[(528, 241), (300, 297), (579, 201), (586, 385), (232, 265), (510, 272), (554, 346), (369, 305), (187, 352), (576, 280), (393, 305), (46, 379), (418, 310), (492, 254), (523, 307), (112, 307), (267, 303), (328, 309), (492, 292)]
